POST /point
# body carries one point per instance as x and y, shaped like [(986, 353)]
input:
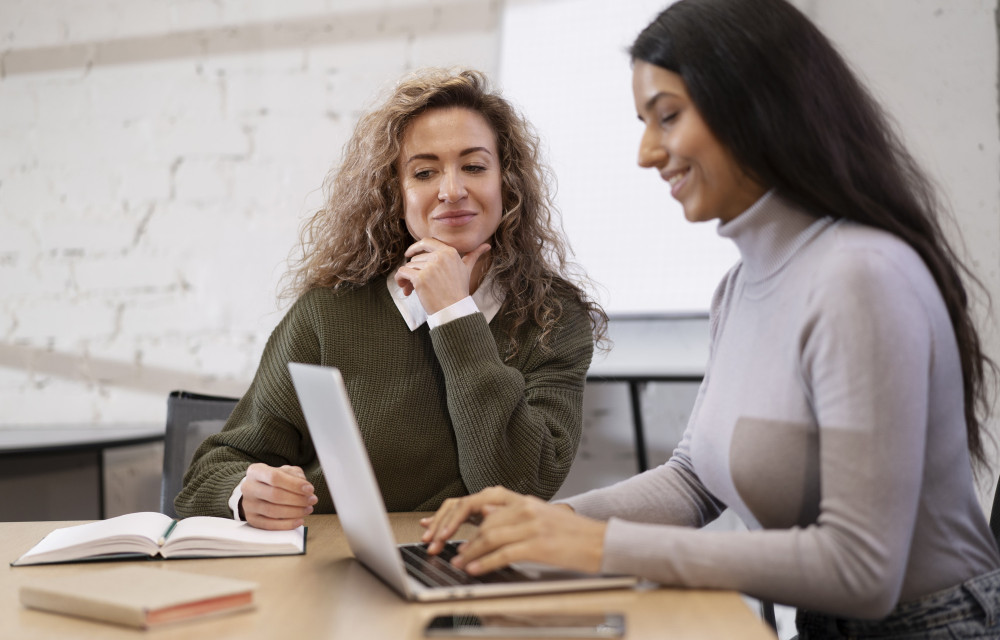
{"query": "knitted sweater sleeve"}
[(266, 426), (516, 426)]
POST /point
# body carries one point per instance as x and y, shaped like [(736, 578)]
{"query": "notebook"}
[(365, 522)]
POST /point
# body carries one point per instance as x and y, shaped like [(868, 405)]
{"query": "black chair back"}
[(191, 417)]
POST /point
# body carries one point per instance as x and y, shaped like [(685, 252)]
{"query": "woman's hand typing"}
[(516, 528)]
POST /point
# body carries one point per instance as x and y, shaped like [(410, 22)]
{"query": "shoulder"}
[(724, 290), (721, 298), (323, 310), (328, 299), (860, 261), (869, 282), (575, 317), (324, 314), (571, 335)]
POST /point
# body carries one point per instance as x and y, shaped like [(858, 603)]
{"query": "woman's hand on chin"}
[(438, 273)]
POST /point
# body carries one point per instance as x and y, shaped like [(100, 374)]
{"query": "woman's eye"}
[(670, 117), (423, 174), (475, 168)]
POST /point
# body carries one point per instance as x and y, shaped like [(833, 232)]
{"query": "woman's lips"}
[(455, 218), (677, 179)]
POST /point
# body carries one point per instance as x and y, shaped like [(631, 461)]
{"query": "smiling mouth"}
[(675, 178)]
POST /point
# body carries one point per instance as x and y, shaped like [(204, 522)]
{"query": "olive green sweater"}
[(441, 412)]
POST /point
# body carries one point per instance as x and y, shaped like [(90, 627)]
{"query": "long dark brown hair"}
[(778, 95)]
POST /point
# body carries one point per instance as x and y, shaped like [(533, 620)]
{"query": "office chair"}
[(191, 417), (767, 613)]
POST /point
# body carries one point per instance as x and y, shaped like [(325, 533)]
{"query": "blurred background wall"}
[(157, 158)]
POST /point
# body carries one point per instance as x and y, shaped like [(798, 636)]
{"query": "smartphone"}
[(528, 625)]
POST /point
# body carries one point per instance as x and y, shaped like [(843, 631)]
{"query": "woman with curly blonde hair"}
[(436, 280)]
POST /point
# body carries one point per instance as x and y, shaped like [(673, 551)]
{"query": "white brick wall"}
[(156, 160)]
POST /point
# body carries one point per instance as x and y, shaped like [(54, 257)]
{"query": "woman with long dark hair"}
[(842, 408)]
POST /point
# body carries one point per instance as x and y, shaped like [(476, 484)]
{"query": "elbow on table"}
[(542, 479), (543, 487)]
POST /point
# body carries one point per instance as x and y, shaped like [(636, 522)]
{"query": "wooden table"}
[(328, 594)]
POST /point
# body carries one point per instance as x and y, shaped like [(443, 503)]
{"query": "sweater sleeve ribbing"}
[(515, 426), (266, 426)]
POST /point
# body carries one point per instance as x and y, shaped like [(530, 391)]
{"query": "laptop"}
[(406, 568)]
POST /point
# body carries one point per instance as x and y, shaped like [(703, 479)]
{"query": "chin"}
[(465, 244), (699, 215)]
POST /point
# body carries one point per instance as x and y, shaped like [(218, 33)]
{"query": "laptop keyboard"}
[(437, 570)]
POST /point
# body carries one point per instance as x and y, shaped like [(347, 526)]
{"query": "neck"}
[(479, 272)]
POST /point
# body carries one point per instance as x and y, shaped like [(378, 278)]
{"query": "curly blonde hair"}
[(360, 235)]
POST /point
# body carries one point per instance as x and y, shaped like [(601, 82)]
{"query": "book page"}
[(130, 533), (202, 534)]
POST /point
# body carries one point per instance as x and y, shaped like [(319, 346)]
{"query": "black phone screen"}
[(530, 624)]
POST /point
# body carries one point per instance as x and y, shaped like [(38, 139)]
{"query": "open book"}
[(150, 534)]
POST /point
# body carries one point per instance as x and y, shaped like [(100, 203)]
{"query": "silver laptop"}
[(356, 496)]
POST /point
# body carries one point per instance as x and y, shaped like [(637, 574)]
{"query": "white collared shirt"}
[(485, 300)]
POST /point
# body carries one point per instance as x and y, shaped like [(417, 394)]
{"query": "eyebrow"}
[(662, 94), (432, 156)]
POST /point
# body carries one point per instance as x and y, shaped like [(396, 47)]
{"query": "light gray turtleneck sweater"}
[(830, 419)]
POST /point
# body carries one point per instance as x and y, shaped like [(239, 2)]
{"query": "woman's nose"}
[(652, 153), (452, 188)]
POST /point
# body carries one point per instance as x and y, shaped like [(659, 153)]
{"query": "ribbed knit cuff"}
[(212, 497), (463, 341)]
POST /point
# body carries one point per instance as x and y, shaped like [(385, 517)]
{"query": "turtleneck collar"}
[(769, 233)]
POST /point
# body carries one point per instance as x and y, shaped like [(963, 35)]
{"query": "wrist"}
[(464, 307), (597, 549), (236, 501)]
